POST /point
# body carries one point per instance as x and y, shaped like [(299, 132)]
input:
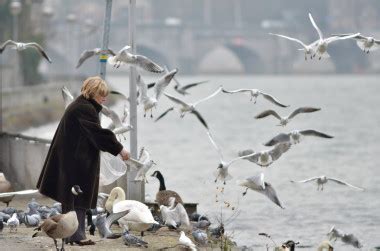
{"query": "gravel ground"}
[(22, 239)]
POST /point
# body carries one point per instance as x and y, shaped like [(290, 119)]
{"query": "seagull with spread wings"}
[(143, 164), (285, 120), (254, 93), (119, 125), (308, 49), (295, 136), (150, 102), (321, 180), (19, 46), (188, 107), (266, 157), (367, 44), (321, 46), (125, 57), (257, 183), (221, 172), (89, 53)]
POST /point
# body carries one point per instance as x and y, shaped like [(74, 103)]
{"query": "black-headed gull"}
[(125, 57), (295, 136), (348, 239), (19, 46), (254, 93), (188, 107), (119, 124), (185, 241), (143, 164), (285, 120), (266, 157), (321, 47), (67, 96), (321, 180), (222, 170), (257, 183), (367, 44), (89, 53), (150, 102), (175, 215), (308, 49)]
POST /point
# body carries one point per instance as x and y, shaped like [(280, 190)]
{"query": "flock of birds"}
[(136, 216)]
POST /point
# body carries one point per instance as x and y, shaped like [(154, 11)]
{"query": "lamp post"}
[(15, 7), (71, 18)]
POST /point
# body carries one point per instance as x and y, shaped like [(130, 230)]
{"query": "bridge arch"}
[(153, 54), (251, 60)]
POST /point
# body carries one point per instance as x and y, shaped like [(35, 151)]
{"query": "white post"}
[(135, 190), (106, 31)]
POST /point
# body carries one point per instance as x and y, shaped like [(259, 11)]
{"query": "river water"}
[(349, 111)]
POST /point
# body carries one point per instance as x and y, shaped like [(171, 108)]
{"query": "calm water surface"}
[(350, 112)]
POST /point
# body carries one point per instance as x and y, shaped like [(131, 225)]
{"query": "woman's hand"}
[(125, 155)]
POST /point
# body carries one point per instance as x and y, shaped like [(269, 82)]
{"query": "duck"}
[(5, 186), (139, 218), (325, 246), (163, 195), (60, 226)]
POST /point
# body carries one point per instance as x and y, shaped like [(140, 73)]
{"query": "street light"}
[(15, 8)]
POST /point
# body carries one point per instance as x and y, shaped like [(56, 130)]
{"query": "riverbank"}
[(163, 239)]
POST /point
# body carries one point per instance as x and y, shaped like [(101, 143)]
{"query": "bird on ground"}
[(188, 107), (321, 180), (163, 195), (185, 241), (61, 226), (308, 49), (367, 44), (321, 46), (325, 246), (295, 136), (89, 53), (266, 157), (258, 184), (151, 102), (285, 120), (175, 215), (139, 218), (131, 240), (104, 222), (5, 186), (125, 57), (200, 236), (19, 46), (13, 223), (254, 93), (221, 172)]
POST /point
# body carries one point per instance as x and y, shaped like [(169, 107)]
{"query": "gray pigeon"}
[(131, 240)]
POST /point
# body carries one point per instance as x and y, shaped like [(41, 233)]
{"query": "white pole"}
[(106, 31), (135, 190)]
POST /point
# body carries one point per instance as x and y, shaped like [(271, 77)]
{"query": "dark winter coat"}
[(74, 156)]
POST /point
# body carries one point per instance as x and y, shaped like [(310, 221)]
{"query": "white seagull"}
[(175, 215), (321, 47), (367, 44), (285, 120), (222, 170), (188, 107), (321, 180), (22, 46), (257, 183), (118, 124), (348, 239), (125, 57), (308, 49), (67, 96), (266, 157), (295, 136), (151, 101), (89, 53), (185, 241), (254, 93), (143, 164)]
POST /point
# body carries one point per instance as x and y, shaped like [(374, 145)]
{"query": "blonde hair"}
[(94, 86)]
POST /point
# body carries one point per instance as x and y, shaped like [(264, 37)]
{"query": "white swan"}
[(139, 218)]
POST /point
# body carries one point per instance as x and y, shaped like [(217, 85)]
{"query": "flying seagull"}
[(257, 183), (255, 93), (125, 57), (321, 180), (308, 49), (285, 120), (188, 107), (118, 124), (321, 47), (266, 157), (19, 46), (150, 102), (295, 136), (89, 53), (367, 44)]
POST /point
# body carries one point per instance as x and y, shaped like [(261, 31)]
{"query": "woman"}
[(74, 154)]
